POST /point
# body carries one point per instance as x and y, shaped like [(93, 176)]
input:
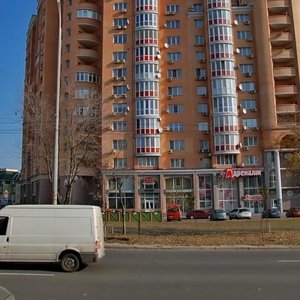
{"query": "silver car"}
[(240, 213), (218, 214)]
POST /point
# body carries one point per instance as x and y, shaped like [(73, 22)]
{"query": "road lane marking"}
[(27, 274), (289, 261)]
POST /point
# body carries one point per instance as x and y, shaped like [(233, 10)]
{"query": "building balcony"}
[(88, 55), (281, 38), (286, 91), (283, 55), (279, 22), (278, 6), (284, 73), (88, 40), (88, 25), (286, 108)]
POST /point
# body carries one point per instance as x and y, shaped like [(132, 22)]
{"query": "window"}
[(120, 38), (242, 18), (203, 145), (176, 126), (67, 47), (245, 51), (251, 160), (67, 63), (83, 93), (174, 56), (203, 126), (68, 32), (120, 22), (243, 35), (148, 161), (119, 73), (200, 73), (119, 144), (199, 23), (120, 108), (247, 86), (202, 91), (249, 123), (200, 56), (120, 163), (69, 16), (174, 73), (177, 145), (226, 159), (246, 69), (249, 104), (177, 163), (250, 141), (119, 56), (203, 108), (172, 9), (173, 24), (87, 77), (81, 110), (175, 108), (173, 40), (199, 40), (69, 2), (88, 13), (174, 91), (3, 225), (119, 126), (197, 8), (120, 6), (120, 90)]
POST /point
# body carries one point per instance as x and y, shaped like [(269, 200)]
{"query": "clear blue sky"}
[(14, 19)]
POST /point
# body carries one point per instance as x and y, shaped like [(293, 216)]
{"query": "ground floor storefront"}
[(192, 189)]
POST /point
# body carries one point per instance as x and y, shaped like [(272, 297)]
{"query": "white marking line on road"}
[(289, 261), (27, 274)]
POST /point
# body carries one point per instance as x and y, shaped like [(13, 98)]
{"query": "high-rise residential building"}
[(191, 102)]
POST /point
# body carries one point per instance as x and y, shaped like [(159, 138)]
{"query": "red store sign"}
[(235, 173)]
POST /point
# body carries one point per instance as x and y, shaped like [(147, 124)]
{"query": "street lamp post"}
[(56, 140)]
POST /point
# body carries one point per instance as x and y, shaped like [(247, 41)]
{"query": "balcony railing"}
[(284, 72), (88, 40)]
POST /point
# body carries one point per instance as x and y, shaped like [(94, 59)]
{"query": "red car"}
[(293, 212), (198, 214)]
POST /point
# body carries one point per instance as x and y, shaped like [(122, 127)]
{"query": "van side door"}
[(4, 237)]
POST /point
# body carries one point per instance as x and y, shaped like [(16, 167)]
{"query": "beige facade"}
[(192, 100)]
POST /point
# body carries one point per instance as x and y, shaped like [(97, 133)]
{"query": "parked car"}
[(240, 213), (218, 214), (271, 213), (174, 212), (293, 212), (198, 214)]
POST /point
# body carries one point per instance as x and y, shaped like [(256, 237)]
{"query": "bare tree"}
[(80, 129)]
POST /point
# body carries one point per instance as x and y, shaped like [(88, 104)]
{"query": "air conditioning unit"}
[(117, 61), (170, 78), (250, 39), (170, 97), (206, 132), (246, 148), (204, 95), (165, 26), (113, 151), (124, 96), (247, 22), (116, 78), (170, 151), (167, 110), (203, 150), (166, 128), (202, 60), (254, 109), (171, 61), (241, 165), (250, 56), (191, 9), (205, 113), (123, 10), (123, 60), (114, 96), (170, 13), (118, 27), (253, 92), (256, 128), (248, 74), (123, 78)]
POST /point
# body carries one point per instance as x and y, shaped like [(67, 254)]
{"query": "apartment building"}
[(193, 101)]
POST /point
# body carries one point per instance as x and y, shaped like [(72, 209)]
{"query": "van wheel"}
[(70, 262)]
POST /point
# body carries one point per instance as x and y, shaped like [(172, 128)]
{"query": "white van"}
[(69, 234)]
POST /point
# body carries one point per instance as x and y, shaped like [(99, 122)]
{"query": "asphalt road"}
[(164, 274)]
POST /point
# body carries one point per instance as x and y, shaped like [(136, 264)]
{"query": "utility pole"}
[(56, 141)]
